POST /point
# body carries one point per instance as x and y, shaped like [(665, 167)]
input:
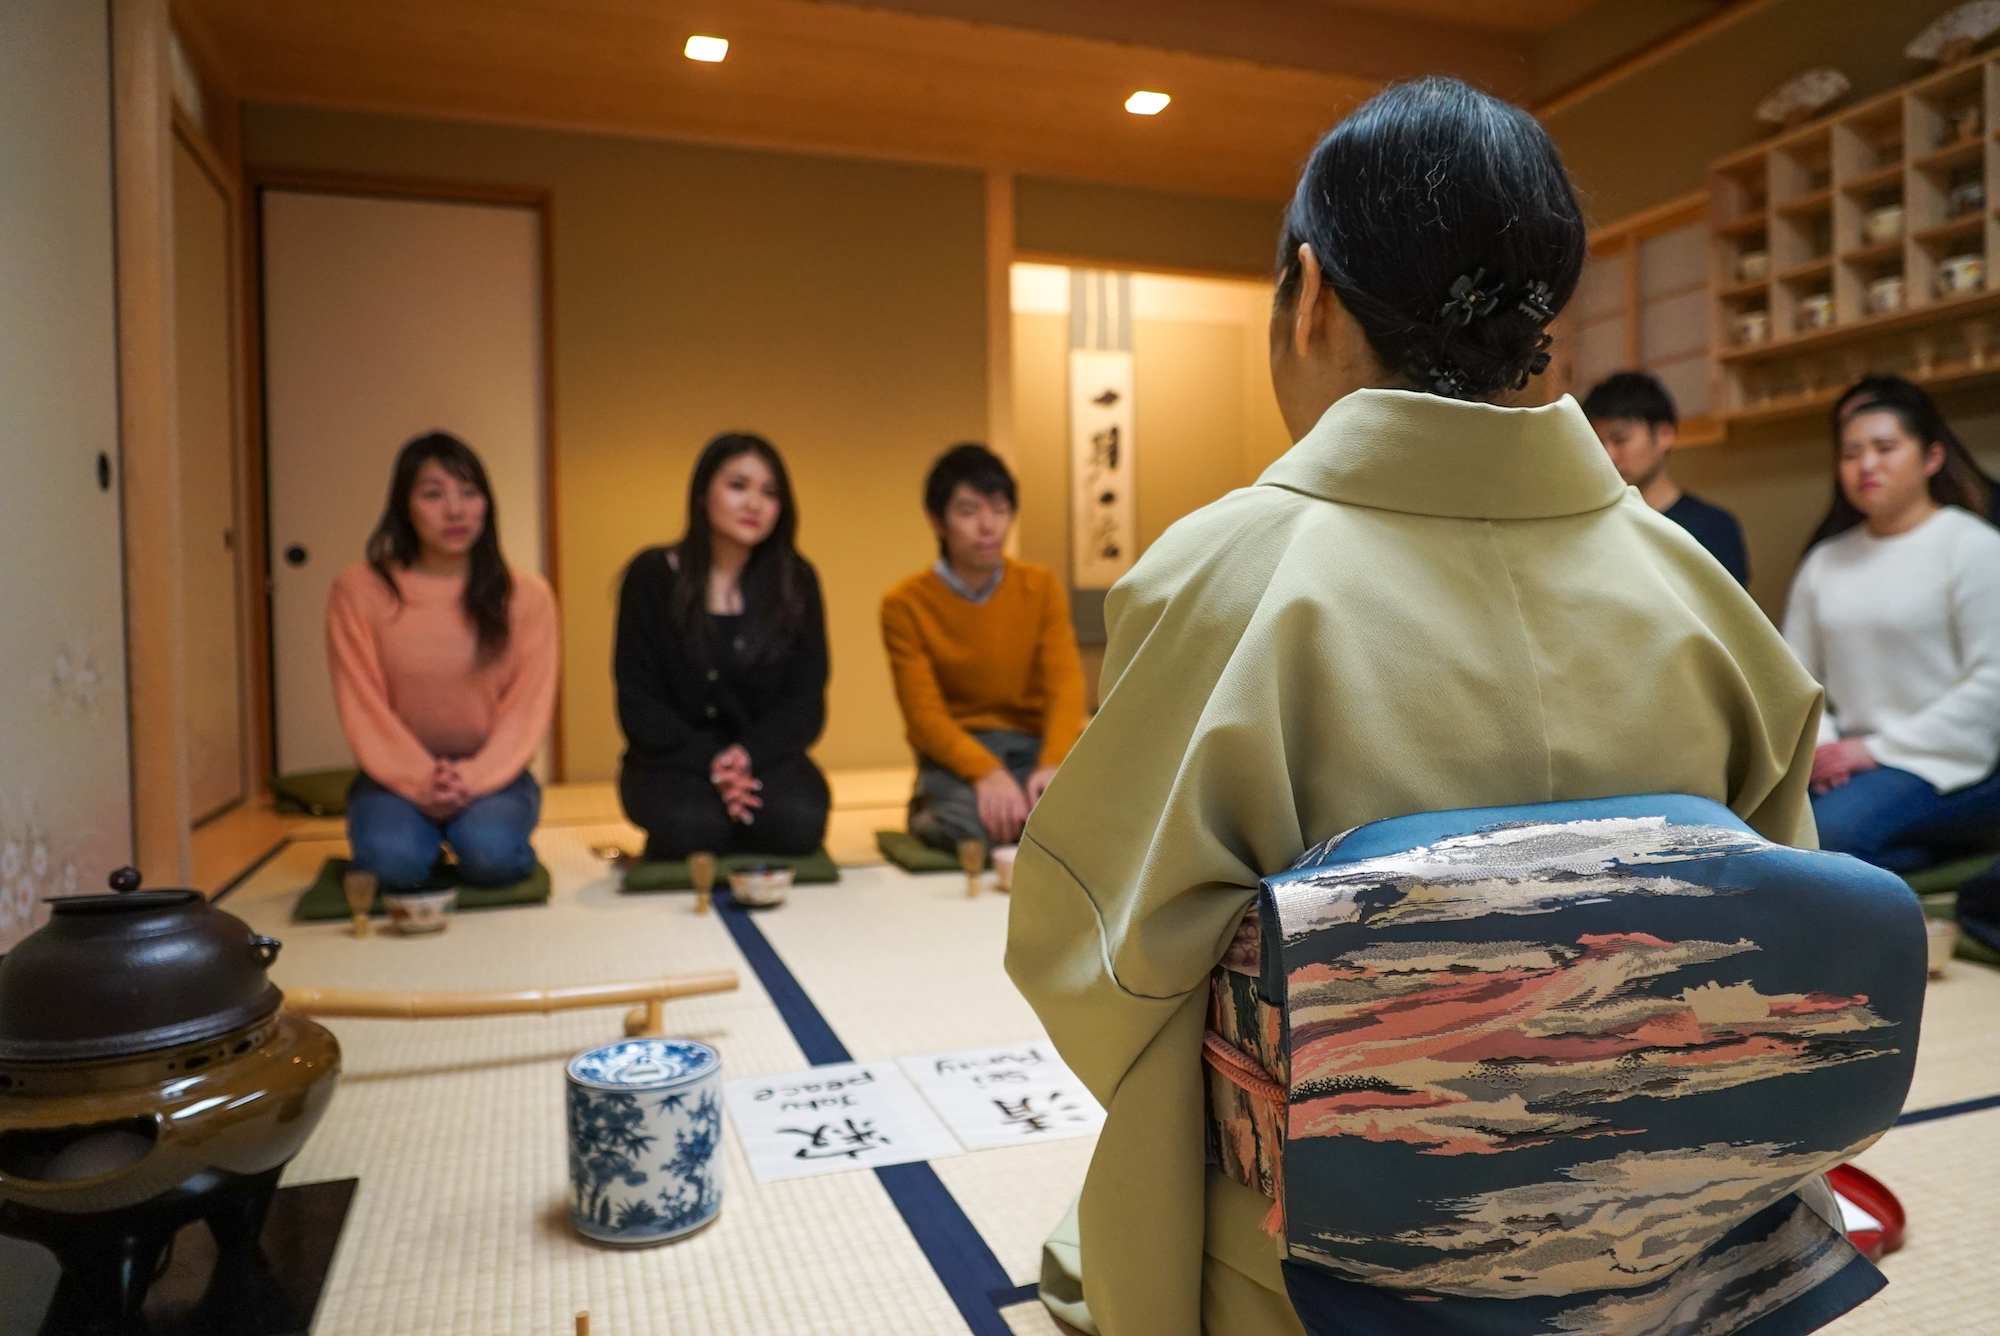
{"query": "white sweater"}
[(1904, 633)]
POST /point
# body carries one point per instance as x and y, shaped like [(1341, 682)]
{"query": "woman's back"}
[(1448, 605), (1429, 604), (1425, 606)]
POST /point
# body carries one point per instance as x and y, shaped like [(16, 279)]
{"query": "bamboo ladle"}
[(647, 1019)]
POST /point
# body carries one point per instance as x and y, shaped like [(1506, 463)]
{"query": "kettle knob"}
[(125, 880)]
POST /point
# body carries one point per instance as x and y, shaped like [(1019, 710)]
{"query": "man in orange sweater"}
[(985, 662)]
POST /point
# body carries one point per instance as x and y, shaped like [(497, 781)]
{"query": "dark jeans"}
[(400, 845), (681, 812), (1896, 821), (945, 810)]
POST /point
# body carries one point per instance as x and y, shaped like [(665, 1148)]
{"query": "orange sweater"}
[(410, 691), (962, 667)]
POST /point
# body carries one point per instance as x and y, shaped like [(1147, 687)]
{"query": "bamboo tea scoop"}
[(647, 1019)]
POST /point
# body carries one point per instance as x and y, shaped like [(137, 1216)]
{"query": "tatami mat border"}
[(964, 1263), (1949, 1110)]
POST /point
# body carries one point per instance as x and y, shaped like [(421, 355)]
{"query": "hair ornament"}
[(1537, 363), (1469, 301), (1537, 304), (1450, 382)]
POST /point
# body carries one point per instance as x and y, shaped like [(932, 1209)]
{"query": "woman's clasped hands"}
[(447, 795), (730, 773), (1834, 763)]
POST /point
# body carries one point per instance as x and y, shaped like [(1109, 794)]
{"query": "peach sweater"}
[(410, 690)]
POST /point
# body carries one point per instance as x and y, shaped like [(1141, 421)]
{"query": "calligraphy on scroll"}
[(1103, 513)]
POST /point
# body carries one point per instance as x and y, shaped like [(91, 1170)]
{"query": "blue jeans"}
[(400, 845), (1896, 821)]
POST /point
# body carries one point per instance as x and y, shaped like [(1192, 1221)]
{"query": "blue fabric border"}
[(964, 1264)]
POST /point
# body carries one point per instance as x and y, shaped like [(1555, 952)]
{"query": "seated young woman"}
[(722, 668), (444, 671), (1896, 608)]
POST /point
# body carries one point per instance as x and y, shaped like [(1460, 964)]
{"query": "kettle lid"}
[(109, 976)]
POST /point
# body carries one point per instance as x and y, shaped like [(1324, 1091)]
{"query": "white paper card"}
[(1853, 1217), (827, 1120), (1006, 1096)]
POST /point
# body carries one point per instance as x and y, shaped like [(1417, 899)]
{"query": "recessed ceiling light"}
[(1142, 103), (710, 49)]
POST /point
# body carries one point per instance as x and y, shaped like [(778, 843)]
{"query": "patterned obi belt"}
[(1561, 1069)]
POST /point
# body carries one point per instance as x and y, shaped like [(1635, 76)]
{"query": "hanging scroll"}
[(1104, 537)]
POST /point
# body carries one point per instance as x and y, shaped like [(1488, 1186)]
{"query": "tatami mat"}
[(900, 965), (1947, 1175), (455, 1128), (1959, 1058)]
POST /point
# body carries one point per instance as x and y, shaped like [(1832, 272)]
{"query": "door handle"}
[(296, 555)]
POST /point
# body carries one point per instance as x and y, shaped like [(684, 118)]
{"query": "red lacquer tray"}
[(1867, 1192)]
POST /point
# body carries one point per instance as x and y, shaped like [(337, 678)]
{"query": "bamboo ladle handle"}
[(647, 1019)]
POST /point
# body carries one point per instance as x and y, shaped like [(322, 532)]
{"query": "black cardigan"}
[(678, 709)]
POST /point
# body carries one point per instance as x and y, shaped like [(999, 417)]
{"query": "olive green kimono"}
[(1425, 605)]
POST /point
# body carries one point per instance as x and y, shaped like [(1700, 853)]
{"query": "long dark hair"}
[(1444, 221), (489, 588), (1961, 482), (773, 581)]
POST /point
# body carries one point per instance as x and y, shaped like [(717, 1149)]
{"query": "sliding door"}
[(205, 389), (65, 809)]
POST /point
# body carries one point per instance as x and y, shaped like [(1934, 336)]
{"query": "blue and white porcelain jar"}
[(645, 1125)]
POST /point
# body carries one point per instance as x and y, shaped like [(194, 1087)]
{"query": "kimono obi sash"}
[(1561, 1069)]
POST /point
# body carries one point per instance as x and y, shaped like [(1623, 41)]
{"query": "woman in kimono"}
[(1431, 603)]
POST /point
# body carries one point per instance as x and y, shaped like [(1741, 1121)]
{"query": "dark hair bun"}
[(1443, 220)]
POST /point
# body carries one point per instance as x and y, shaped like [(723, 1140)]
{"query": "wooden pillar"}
[(1000, 313), (1000, 326), (142, 130)]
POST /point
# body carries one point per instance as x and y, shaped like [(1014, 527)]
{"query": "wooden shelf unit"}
[(1805, 198)]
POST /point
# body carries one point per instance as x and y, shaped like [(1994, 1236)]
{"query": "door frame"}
[(245, 468), (262, 179)]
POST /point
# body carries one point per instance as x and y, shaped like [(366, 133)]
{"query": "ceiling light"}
[(710, 49), (1140, 103)]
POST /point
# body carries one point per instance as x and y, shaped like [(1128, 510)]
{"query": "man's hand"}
[(730, 773), (447, 796), (1834, 763), (1003, 808), (1038, 783)]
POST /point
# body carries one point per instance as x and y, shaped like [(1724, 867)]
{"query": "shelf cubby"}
[(1861, 215)]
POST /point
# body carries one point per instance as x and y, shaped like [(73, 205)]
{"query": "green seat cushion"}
[(911, 854), (1947, 876), (315, 793), (324, 899), (816, 867)]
